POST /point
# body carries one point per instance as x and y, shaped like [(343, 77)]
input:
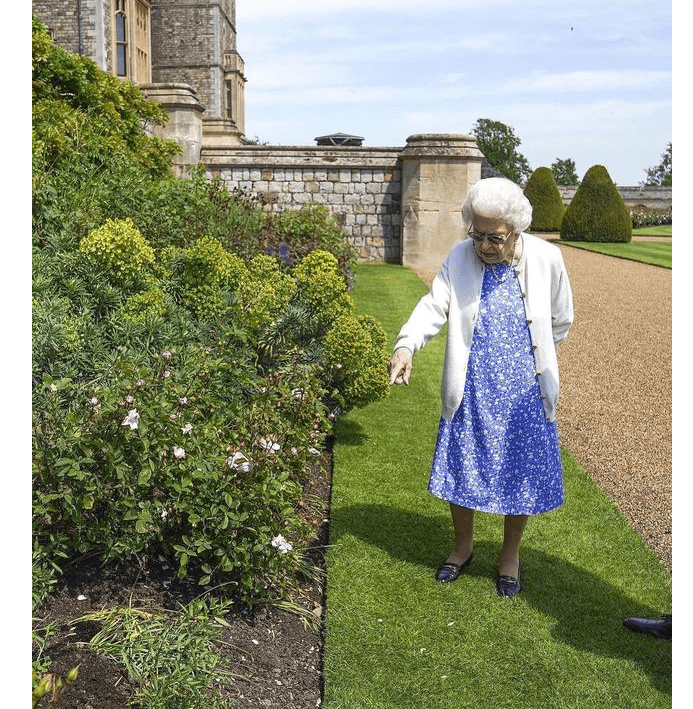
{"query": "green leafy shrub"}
[(91, 159), (264, 292), (321, 286), (356, 357), (146, 458), (173, 659), (546, 201), (597, 211), (178, 212), (296, 233), (121, 250)]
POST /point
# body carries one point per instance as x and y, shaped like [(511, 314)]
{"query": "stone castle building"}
[(181, 52), (398, 204)]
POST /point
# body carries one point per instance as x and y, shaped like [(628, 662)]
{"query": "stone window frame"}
[(134, 47)]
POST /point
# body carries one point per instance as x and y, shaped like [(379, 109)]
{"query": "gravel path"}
[(614, 415), (615, 410)]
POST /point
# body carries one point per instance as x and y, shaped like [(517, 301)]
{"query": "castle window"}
[(131, 38), (121, 39)]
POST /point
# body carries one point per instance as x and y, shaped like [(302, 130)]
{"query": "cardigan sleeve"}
[(562, 314), (430, 314)]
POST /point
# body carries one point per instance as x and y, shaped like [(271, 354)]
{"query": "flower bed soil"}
[(274, 657)]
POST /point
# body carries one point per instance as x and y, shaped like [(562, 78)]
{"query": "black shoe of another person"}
[(656, 627), (448, 572)]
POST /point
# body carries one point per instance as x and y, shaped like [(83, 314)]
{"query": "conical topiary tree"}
[(597, 212), (546, 201)]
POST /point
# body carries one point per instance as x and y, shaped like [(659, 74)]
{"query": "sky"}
[(589, 80)]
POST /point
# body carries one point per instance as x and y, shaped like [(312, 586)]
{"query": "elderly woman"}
[(507, 302)]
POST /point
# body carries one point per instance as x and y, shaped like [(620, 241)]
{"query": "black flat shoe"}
[(656, 627), (449, 572), (508, 586)]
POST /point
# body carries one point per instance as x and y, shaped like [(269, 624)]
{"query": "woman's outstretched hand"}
[(400, 366)]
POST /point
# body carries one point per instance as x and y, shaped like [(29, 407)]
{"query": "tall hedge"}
[(547, 205), (597, 212)]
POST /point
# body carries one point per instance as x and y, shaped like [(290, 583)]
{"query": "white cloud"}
[(281, 8), (591, 81), (579, 78)]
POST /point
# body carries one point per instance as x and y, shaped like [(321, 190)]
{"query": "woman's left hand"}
[(400, 366)]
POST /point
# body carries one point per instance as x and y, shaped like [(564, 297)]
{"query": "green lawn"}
[(663, 230), (654, 252), (397, 639)]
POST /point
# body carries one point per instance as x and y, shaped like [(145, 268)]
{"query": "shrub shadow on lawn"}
[(588, 610), (350, 433)]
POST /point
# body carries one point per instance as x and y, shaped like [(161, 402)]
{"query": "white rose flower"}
[(280, 543), (132, 419), (239, 462), (269, 446), (179, 452)]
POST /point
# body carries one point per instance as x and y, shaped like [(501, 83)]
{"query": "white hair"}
[(497, 198)]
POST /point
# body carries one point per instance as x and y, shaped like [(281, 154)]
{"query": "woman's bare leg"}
[(513, 528), (463, 524)]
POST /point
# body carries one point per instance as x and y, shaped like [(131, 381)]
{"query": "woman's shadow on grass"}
[(587, 609)]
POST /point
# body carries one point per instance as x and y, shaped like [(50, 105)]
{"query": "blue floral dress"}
[(499, 453)]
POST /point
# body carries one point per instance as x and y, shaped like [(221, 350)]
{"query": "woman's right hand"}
[(400, 366)]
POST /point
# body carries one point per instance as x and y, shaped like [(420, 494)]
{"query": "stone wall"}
[(395, 204), (362, 186), (82, 27), (653, 197), (191, 44)]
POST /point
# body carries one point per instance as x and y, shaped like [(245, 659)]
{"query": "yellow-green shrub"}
[(356, 357), (142, 305), (322, 287), (120, 248), (264, 290)]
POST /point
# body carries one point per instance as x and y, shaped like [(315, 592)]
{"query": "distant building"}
[(181, 52)]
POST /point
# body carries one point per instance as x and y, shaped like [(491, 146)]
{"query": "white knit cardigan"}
[(454, 299)]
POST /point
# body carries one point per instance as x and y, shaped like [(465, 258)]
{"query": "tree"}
[(546, 201), (660, 176), (564, 172), (499, 143), (597, 212)]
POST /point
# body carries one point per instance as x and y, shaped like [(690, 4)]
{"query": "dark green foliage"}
[(546, 201), (660, 175), (91, 158), (564, 172), (297, 233), (499, 143), (597, 211)]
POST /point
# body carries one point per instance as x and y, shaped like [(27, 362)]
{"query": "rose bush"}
[(185, 349)]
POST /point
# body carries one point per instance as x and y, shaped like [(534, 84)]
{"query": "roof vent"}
[(339, 139)]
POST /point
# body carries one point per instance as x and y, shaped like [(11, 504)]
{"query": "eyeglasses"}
[(493, 238)]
